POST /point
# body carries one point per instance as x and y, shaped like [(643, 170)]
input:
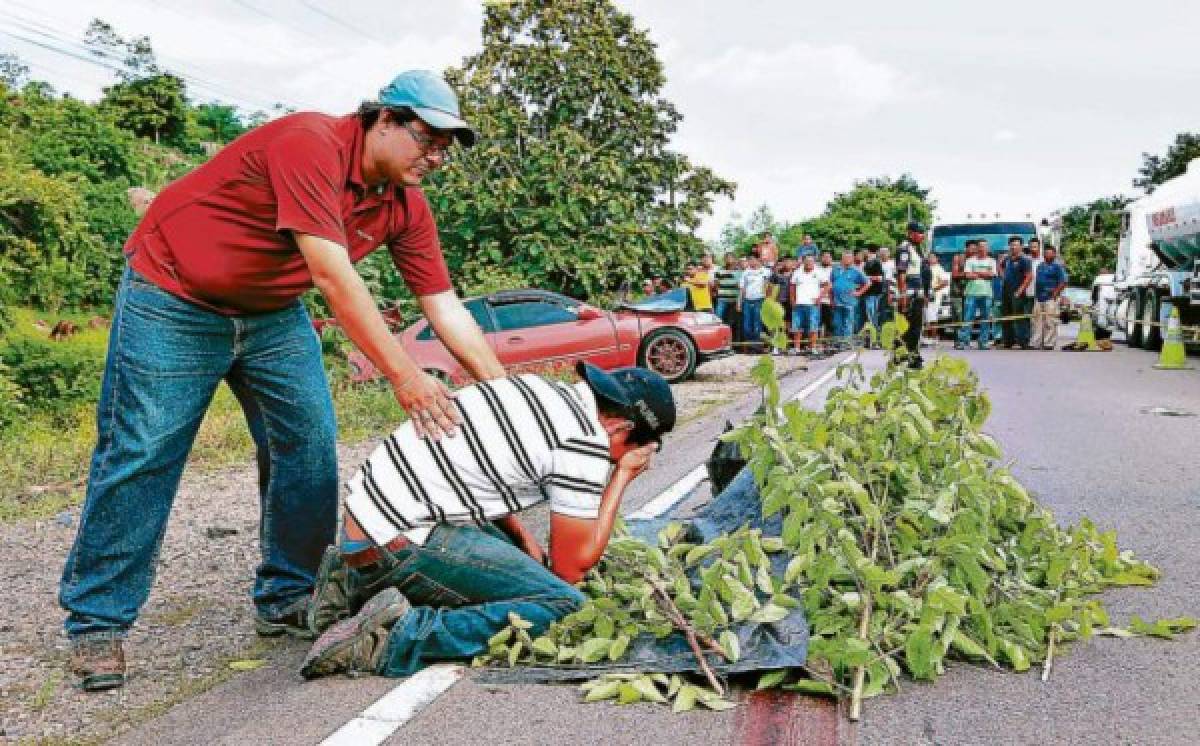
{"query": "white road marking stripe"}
[(808, 390), (379, 721), (671, 495)]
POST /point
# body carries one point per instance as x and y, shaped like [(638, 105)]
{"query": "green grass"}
[(44, 457), (47, 690)]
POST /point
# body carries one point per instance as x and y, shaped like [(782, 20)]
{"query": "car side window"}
[(479, 312), (526, 314)]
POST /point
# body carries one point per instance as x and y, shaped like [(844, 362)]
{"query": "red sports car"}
[(540, 330)]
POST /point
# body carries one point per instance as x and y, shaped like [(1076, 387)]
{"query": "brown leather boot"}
[(99, 662)]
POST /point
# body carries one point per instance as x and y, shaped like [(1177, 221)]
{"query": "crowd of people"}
[(829, 298)]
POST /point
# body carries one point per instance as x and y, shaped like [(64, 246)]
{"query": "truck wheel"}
[(670, 353), (1151, 335), (1133, 329)]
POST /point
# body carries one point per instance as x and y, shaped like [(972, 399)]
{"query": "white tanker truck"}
[(1158, 265)]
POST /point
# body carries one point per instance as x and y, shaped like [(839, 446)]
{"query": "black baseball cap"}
[(641, 395), (915, 227)]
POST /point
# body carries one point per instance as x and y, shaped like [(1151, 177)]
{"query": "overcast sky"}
[(1017, 107)]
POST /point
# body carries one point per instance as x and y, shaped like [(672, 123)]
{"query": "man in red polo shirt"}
[(216, 269)]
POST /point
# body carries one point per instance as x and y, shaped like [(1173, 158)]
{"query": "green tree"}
[(1158, 168), (155, 108), (574, 185), (216, 122), (1087, 255)]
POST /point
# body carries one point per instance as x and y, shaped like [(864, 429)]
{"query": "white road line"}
[(379, 721), (811, 388), (671, 495)]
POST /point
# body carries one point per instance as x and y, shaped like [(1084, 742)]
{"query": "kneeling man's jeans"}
[(166, 358), (462, 584)]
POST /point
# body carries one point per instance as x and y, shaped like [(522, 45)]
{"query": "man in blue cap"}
[(216, 268), (431, 535)]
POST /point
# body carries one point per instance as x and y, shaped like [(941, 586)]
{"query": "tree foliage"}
[(64, 169), (573, 185), (1158, 168), (874, 212), (1087, 255)]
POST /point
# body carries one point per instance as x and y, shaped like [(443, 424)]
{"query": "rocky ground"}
[(197, 628)]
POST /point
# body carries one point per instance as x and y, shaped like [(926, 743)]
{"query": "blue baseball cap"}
[(432, 99), (643, 396)]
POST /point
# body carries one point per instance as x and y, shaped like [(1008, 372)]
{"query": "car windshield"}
[(672, 300)]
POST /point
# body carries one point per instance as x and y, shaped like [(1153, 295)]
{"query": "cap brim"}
[(440, 120), (604, 384)]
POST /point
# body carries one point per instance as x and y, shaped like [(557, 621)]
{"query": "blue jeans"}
[(752, 321), (843, 323), (976, 306), (871, 306), (165, 359), (462, 584), (806, 319)]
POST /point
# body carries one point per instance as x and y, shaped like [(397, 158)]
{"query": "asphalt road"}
[(1079, 430)]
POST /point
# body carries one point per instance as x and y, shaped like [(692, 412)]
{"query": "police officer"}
[(913, 284)]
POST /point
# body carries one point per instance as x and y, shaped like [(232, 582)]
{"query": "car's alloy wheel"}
[(669, 353)]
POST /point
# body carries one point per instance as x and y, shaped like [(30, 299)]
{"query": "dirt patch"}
[(199, 617)]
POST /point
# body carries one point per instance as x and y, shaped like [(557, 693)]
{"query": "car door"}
[(544, 333), (429, 352)]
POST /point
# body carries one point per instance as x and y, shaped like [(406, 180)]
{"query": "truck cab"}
[(948, 240)]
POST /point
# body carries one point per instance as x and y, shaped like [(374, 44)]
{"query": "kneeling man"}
[(431, 534)]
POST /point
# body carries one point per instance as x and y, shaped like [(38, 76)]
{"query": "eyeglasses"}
[(426, 144)]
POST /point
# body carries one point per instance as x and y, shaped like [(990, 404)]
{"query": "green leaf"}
[(647, 689), (514, 653), (545, 646), (516, 621), (247, 665), (1164, 628), (619, 646), (729, 643), (606, 690), (685, 699), (918, 652), (593, 650), (810, 686), (769, 614), (771, 679), (628, 694)]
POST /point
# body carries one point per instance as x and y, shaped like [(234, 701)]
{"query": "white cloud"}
[(1004, 135), (821, 79)]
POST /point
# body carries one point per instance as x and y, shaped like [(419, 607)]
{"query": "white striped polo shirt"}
[(523, 439)]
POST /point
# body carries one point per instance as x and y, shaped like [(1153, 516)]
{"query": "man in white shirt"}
[(807, 284), (1035, 256), (751, 291), (431, 534)]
